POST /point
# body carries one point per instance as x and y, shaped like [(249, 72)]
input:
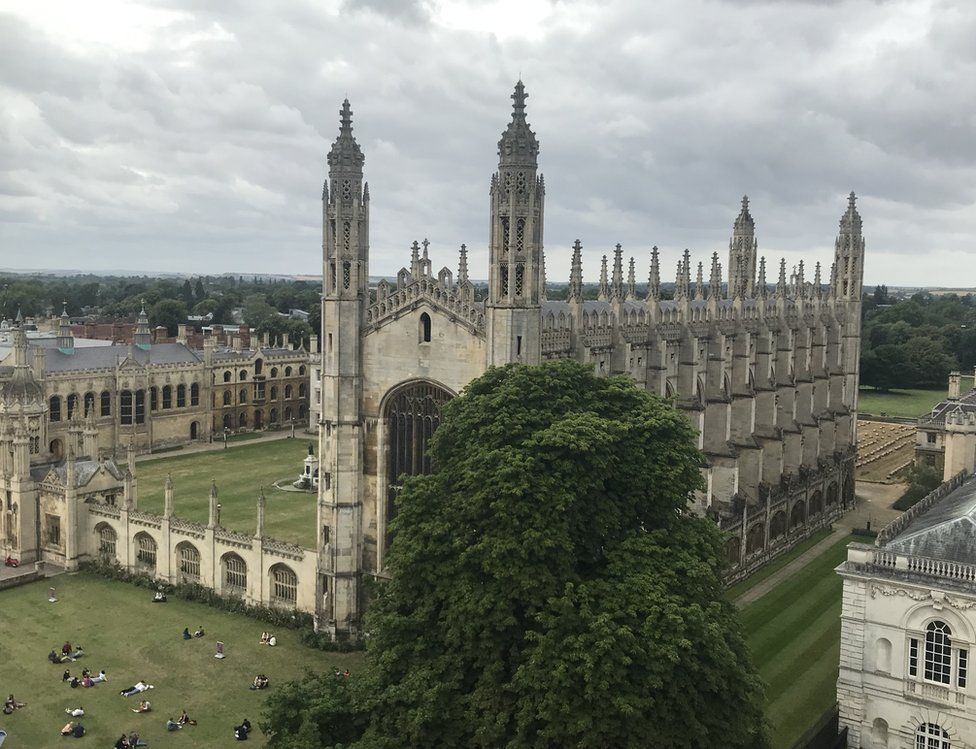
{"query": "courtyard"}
[(240, 471), (133, 639)]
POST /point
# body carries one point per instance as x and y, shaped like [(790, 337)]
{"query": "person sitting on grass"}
[(241, 731), (172, 725), (66, 648), (76, 653), (139, 686), (199, 632), (122, 743), (75, 712), (74, 682), (87, 681), (144, 707), (186, 633), (260, 682), (11, 704), (186, 720), (159, 597), (272, 641), (66, 675), (135, 741), (264, 638), (69, 727), (54, 657)]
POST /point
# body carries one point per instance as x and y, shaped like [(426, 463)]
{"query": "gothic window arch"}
[(301, 390), (107, 541), (412, 413), (106, 403), (227, 397), (274, 393), (425, 328), (284, 585), (125, 407), (242, 375), (167, 396), (227, 376), (54, 408), (188, 559), (181, 396), (242, 396), (195, 394), (242, 419), (140, 409), (301, 371), (287, 392), (145, 551), (287, 371), (274, 371), (258, 366), (235, 573)]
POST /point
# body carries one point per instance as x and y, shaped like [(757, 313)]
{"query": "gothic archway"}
[(412, 413)]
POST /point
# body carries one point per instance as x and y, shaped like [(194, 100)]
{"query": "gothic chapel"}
[(767, 373)]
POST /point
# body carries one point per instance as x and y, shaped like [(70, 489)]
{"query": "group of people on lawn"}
[(87, 679)]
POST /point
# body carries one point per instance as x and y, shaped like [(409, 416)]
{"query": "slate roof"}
[(945, 531), (965, 404), (108, 357), (84, 471)]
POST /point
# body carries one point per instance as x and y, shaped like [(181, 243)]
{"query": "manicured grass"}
[(794, 634), (906, 403), (240, 471), (777, 564), (133, 639)]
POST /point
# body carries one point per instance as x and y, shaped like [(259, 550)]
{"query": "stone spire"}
[(715, 278), (345, 154), (631, 282), (542, 276), (214, 520), (700, 282), (781, 284), (617, 287), (259, 530), (168, 497), (415, 259), (142, 338), (66, 339), (518, 145), (604, 291), (463, 265), (575, 293), (849, 253), (761, 288), (817, 284), (682, 284), (425, 268), (742, 253), (654, 277), (801, 284), (832, 290)]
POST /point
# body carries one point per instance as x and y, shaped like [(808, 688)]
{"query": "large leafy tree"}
[(548, 589)]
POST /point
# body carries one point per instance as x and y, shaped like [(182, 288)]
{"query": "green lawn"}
[(781, 561), (133, 639), (906, 403), (794, 634), (241, 471)]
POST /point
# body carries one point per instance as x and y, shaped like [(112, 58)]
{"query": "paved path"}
[(206, 447), (874, 505)]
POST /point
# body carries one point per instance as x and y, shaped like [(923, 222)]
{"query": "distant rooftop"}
[(947, 530)]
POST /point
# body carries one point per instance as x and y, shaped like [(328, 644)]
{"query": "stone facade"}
[(908, 624), (85, 506), (945, 438), (766, 373), (152, 395)]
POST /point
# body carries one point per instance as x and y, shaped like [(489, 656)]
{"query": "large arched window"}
[(412, 413), (107, 541), (167, 396), (242, 396), (258, 366), (931, 736), (189, 561), (106, 403), (242, 375), (228, 421), (140, 406), (125, 407), (235, 573), (301, 390), (181, 396), (227, 397), (227, 376), (145, 551), (153, 398), (938, 652), (274, 371), (425, 328), (273, 416), (274, 393), (284, 585), (287, 392), (287, 371), (194, 394), (54, 408), (301, 371)]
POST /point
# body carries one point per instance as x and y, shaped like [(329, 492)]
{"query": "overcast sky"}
[(191, 136)]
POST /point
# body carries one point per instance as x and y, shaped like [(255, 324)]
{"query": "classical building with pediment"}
[(765, 369)]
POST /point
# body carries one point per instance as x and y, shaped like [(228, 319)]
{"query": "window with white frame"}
[(931, 736), (938, 652)]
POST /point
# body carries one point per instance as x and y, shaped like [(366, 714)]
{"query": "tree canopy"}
[(547, 590)]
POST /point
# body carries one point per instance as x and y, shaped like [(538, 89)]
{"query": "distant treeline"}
[(168, 301), (916, 342)]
